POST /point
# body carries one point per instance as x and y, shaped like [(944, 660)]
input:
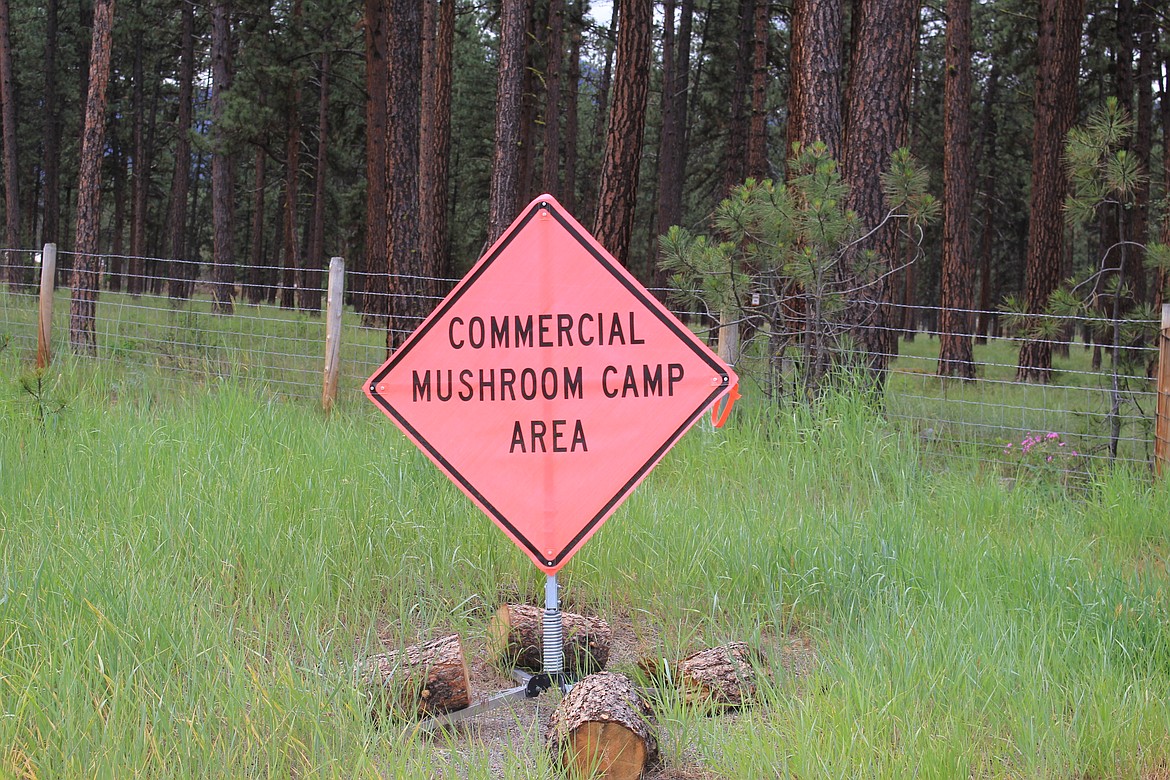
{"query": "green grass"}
[(280, 353), (187, 576), (980, 418)]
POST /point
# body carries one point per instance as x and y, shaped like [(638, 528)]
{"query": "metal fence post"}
[(1162, 422), (333, 307), (45, 320)]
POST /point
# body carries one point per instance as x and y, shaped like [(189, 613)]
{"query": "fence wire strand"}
[(161, 316)]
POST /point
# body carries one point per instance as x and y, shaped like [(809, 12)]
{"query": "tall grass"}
[(187, 578)]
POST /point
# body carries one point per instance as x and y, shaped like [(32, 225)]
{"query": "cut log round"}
[(516, 638), (603, 728), (724, 675), (422, 680)]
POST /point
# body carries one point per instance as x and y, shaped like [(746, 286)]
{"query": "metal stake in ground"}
[(554, 637)]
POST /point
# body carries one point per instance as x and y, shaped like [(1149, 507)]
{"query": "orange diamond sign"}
[(548, 383)]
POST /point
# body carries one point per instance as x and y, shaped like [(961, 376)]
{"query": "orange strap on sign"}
[(719, 416)]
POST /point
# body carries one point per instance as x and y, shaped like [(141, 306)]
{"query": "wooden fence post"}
[(1162, 421), (333, 308), (45, 321), (729, 336)]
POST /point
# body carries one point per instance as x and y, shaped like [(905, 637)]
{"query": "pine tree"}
[(505, 184), (614, 223), (956, 357), (814, 91), (1058, 50), (86, 269)]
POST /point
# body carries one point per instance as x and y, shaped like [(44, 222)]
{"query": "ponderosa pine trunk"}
[(989, 143), (757, 141), (1054, 108), (371, 296), (135, 275), (672, 146), (408, 301), (115, 266), (505, 180), (1160, 280), (222, 194), (257, 280), (814, 92), (310, 288), (435, 141), (956, 357), (182, 271), (735, 146), (13, 262), (290, 251), (572, 128), (601, 104), (881, 66), (554, 43), (87, 266), (51, 128), (617, 195), (1143, 144)]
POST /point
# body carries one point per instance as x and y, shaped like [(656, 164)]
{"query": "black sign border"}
[(637, 291)]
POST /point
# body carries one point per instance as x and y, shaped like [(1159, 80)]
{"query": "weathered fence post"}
[(45, 321), (333, 307), (1162, 422), (729, 336)]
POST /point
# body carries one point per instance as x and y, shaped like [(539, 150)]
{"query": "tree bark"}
[(601, 104), (373, 301), (1058, 52), (290, 254), (603, 728), (814, 94), (182, 270), (614, 222), (516, 638), (1160, 281), (419, 681), (222, 175), (408, 301), (86, 268), (672, 146), (723, 676), (554, 44), (505, 180), (435, 142), (735, 147), (989, 140), (135, 279), (52, 131), (115, 270), (14, 263), (955, 356), (1143, 144), (885, 32), (757, 146), (257, 281), (572, 127), (310, 288)]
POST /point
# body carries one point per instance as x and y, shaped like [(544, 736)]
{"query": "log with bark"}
[(516, 638), (724, 676), (603, 728), (419, 680)]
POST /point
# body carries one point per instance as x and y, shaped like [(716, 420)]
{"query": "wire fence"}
[(1087, 413)]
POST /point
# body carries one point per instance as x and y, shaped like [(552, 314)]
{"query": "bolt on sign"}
[(548, 383)]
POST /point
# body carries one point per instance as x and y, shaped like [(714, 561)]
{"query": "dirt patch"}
[(514, 732)]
